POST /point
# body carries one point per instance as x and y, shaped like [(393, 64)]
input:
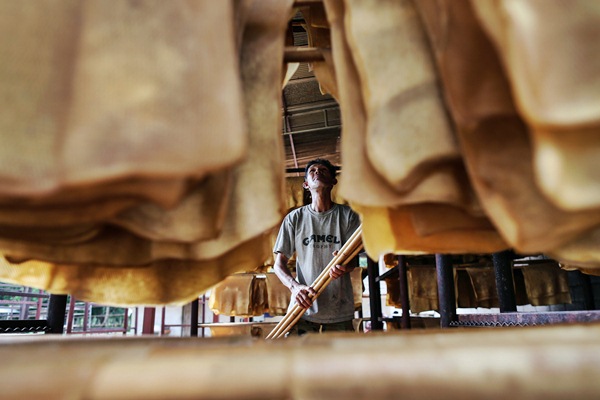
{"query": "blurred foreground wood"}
[(552, 362)]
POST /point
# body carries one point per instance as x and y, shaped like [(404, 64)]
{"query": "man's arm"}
[(301, 293)]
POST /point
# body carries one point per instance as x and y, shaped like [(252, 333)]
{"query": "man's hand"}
[(338, 270), (303, 294)]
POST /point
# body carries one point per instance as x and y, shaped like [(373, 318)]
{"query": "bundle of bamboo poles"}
[(349, 250)]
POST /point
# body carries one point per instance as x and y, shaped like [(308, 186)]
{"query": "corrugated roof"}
[(312, 123)]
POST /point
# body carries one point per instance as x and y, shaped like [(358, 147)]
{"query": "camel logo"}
[(320, 239)]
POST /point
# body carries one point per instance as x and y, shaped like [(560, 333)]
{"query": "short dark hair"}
[(322, 161)]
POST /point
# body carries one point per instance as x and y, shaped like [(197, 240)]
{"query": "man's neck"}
[(321, 201)]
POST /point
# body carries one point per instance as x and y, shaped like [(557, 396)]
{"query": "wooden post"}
[(404, 300), (86, 312), (71, 315), (587, 290), (148, 326), (126, 321), (203, 313)]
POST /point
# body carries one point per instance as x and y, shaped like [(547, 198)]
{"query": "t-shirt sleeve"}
[(353, 222), (285, 238)]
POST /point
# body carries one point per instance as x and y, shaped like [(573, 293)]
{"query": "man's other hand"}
[(303, 295)]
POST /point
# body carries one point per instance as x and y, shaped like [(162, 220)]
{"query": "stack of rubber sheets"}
[(134, 165), (470, 127)]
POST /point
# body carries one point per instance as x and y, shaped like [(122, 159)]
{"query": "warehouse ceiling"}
[(311, 120)]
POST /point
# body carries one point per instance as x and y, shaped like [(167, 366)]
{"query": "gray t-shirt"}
[(314, 237)]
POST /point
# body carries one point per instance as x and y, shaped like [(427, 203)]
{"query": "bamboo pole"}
[(297, 312), (354, 244), (348, 251)]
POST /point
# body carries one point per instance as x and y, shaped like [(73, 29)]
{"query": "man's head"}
[(323, 162), (319, 173)]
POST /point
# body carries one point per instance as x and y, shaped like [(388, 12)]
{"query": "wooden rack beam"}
[(306, 3), (302, 54)]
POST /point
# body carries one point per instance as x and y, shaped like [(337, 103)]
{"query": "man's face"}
[(318, 175)]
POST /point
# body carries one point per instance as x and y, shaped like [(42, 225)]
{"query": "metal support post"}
[(194, 319), (374, 295), (446, 292), (505, 284), (57, 308)]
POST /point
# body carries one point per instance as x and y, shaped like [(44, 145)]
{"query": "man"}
[(315, 231)]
